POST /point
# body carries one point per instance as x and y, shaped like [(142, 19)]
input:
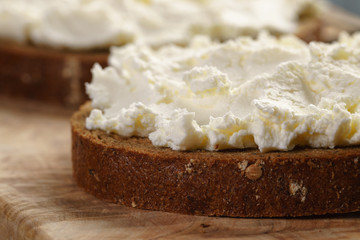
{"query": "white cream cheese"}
[(273, 94), (84, 24)]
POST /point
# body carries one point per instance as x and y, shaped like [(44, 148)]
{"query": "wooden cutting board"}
[(39, 199)]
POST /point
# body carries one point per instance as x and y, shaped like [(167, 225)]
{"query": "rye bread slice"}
[(237, 183), (51, 76)]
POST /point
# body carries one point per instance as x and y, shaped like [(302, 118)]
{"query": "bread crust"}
[(237, 183), (46, 75)]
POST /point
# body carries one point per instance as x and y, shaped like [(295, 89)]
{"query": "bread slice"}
[(46, 75), (237, 183)]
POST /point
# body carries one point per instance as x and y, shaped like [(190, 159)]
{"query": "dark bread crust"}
[(46, 75), (132, 172)]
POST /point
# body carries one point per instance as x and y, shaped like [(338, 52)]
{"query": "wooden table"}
[(39, 199)]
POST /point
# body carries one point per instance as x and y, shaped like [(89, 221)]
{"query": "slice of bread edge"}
[(235, 183)]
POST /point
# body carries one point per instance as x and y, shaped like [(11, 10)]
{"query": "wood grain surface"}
[(39, 199)]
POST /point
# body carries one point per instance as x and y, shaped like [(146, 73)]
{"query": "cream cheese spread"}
[(85, 24), (268, 93)]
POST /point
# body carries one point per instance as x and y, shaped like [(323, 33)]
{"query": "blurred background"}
[(352, 6)]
